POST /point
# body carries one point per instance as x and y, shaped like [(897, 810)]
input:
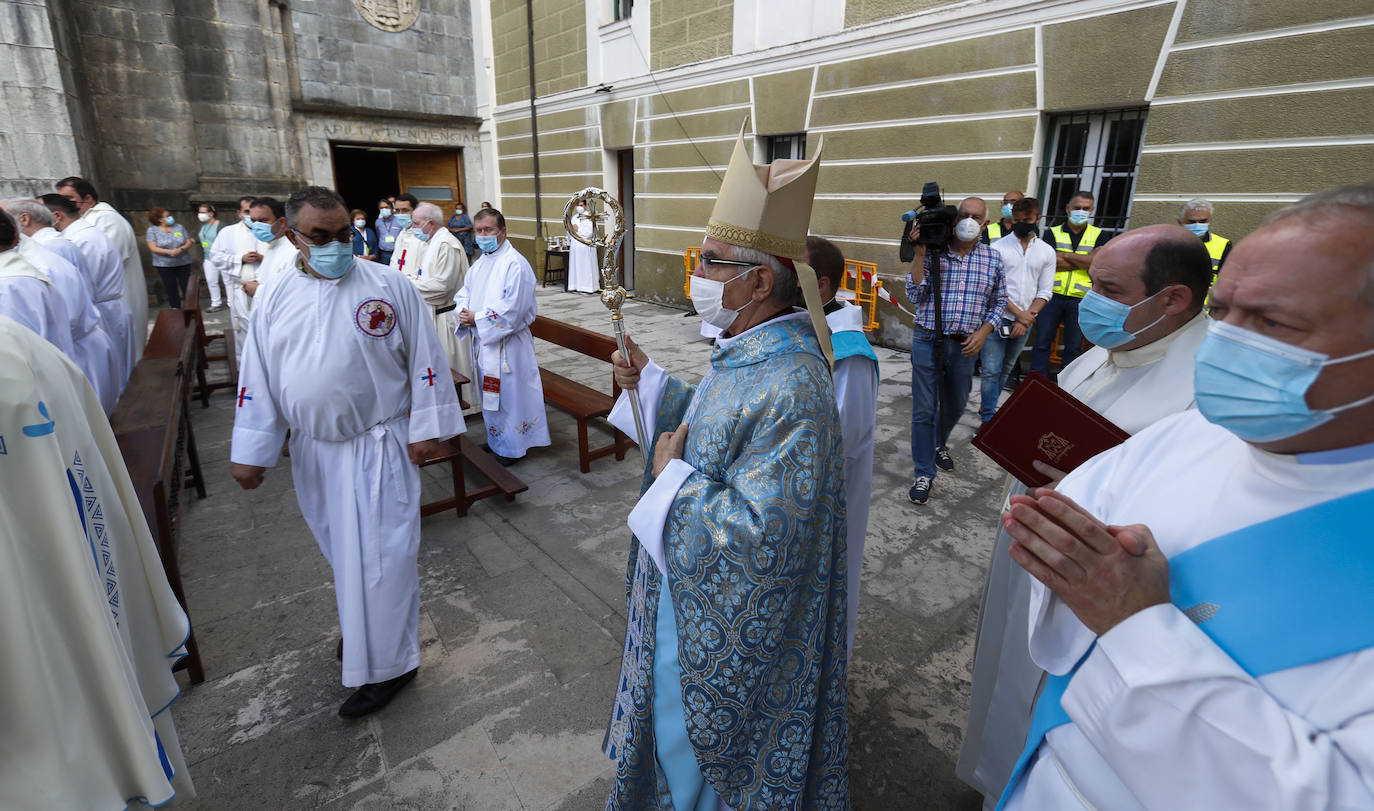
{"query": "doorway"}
[(625, 160), (365, 173)]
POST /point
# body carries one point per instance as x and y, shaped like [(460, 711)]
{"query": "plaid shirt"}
[(974, 291)]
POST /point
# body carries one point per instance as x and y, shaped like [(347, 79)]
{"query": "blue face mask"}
[(1199, 229), (487, 244), (1256, 387), (262, 230), (169, 220), (420, 235), (332, 261), (1103, 320), (404, 220), (1078, 216), (1006, 211)]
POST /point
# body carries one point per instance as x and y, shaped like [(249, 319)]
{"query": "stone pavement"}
[(522, 615)]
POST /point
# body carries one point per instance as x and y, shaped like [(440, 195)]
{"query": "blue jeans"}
[(1060, 309), (999, 357), (954, 390)]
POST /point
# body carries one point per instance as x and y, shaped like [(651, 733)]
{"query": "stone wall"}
[(687, 31)]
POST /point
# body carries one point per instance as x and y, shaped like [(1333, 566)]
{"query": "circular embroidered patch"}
[(375, 317)]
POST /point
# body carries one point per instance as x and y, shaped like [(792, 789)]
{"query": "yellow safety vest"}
[(1074, 282), (1216, 246), (994, 231)]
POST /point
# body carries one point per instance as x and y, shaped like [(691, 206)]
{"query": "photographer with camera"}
[(957, 286)]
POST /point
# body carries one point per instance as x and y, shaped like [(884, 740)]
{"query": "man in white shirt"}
[(27, 294), (1159, 276), (1202, 590), (1028, 266), (113, 224), (236, 252), (406, 250)]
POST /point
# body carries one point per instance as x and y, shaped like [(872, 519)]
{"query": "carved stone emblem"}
[(389, 15), (1054, 446)]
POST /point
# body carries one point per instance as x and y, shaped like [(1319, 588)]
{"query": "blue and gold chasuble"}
[(754, 547)]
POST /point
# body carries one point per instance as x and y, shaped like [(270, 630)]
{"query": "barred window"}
[(791, 146), (1099, 152)]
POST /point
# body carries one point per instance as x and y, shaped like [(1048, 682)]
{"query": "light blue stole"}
[(1280, 594), (674, 750)]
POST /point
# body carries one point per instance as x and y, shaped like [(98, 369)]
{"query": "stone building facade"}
[(1250, 103), (174, 102)]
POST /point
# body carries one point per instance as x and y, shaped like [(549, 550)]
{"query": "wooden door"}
[(433, 176)]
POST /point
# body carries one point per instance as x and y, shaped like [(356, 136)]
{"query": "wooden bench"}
[(456, 452), (190, 307), (152, 426), (582, 402)]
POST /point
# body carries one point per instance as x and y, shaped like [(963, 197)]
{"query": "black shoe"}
[(920, 491), (340, 649), (942, 458), (505, 461), (372, 697)]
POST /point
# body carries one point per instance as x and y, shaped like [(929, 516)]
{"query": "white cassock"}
[(438, 276), (121, 233), (1163, 718), (278, 260), (407, 253), (1134, 389), (353, 368), (90, 628), (28, 296), (231, 243), (92, 350), (583, 274), (499, 290), (106, 275), (856, 394)]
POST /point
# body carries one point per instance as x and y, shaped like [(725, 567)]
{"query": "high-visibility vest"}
[(994, 231), (1216, 246), (1074, 282)]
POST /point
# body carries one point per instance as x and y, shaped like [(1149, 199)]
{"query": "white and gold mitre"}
[(768, 207)]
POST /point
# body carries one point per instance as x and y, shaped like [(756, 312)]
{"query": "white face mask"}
[(967, 229), (203, 217), (707, 298), (359, 224)]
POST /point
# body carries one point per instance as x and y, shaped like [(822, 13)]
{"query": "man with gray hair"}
[(438, 270), (92, 350), (1202, 590), (342, 351), (1196, 216)]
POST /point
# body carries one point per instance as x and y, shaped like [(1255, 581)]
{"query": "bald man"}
[(1144, 313)]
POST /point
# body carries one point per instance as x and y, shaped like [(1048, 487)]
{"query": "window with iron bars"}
[(1097, 151), (791, 146), (621, 9)]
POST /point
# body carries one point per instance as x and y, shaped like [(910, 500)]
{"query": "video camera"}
[(935, 219)]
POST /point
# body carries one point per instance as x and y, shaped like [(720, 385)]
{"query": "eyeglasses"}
[(345, 235), (707, 262)]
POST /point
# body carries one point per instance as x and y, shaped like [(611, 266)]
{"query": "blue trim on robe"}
[(1272, 604), (851, 343), (676, 757)]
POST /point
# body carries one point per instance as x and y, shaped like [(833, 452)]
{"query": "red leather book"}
[(1042, 421)]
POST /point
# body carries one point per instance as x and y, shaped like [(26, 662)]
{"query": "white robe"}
[(106, 275), (1134, 389), (92, 350), (90, 628), (1162, 717), (28, 296), (408, 252), (438, 276), (499, 289), (583, 274), (231, 243), (856, 394), (353, 368), (121, 233)]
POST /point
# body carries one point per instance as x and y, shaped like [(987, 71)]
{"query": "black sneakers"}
[(942, 458), (920, 491)]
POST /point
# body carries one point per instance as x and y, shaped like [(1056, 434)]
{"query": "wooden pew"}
[(152, 425), (458, 450), (582, 402), (190, 306)]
